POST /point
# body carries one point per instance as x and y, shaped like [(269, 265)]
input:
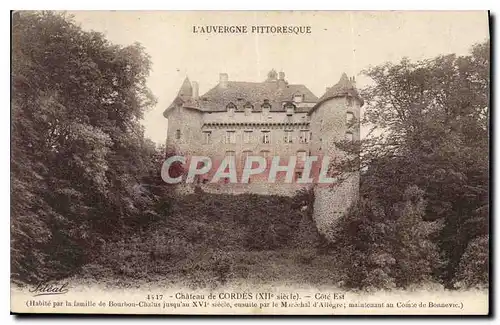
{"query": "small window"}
[(304, 137), (248, 108), (348, 136), (301, 156), (177, 134), (349, 101), (298, 98), (289, 108), (264, 154), (266, 137), (349, 117), (247, 136), (288, 136), (266, 106), (230, 137), (207, 137)]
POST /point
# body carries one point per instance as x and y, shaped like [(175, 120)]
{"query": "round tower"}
[(334, 121)]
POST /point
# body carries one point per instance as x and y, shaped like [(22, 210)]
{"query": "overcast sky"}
[(339, 42)]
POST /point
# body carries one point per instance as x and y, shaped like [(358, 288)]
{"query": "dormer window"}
[(298, 98), (266, 106), (289, 108), (248, 108), (231, 107)]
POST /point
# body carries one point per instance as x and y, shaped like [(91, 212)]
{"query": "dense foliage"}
[(87, 192), (78, 150), (209, 239), (425, 175)]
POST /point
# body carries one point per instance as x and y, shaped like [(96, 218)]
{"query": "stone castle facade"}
[(269, 118)]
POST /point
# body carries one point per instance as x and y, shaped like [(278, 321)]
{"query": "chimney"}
[(194, 84), (281, 80), (223, 80)]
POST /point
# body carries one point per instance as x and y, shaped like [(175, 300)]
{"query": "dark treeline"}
[(424, 203)]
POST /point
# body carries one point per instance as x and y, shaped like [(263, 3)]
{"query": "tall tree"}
[(78, 148), (429, 125)]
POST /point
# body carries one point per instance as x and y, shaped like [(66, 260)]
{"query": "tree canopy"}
[(429, 125), (78, 148)]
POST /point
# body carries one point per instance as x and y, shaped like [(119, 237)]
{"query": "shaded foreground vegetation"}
[(206, 240)]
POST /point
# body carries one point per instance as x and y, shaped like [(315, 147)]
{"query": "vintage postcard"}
[(250, 163)]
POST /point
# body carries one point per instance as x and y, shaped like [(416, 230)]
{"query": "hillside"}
[(207, 240)]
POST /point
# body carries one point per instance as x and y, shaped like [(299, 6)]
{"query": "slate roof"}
[(275, 92), (345, 87), (242, 93), (186, 90)]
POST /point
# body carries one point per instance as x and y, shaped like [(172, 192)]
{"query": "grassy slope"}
[(207, 240)]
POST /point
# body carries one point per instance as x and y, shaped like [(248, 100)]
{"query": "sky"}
[(340, 41)]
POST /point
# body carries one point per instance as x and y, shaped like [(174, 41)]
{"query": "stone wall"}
[(329, 124), (331, 203), (189, 122)]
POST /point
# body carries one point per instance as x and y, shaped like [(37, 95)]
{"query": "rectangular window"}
[(244, 156), (304, 136), (349, 117), (298, 98), (230, 137), (349, 101), (207, 137), (264, 154), (247, 136), (177, 134), (266, 137), (288, 136)]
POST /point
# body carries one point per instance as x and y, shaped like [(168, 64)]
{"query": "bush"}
[(474, 264), (380, 249)]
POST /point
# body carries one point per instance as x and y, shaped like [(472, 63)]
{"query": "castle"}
[(269, 118)]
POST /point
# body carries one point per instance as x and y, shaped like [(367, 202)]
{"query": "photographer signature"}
[(43, 289)]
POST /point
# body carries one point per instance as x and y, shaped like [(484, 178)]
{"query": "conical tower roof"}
[(345, 87), (185, 94), (186, 90)]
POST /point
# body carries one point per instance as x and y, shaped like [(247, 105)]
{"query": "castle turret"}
[(334, 119), (184, 120), (186, 90)]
